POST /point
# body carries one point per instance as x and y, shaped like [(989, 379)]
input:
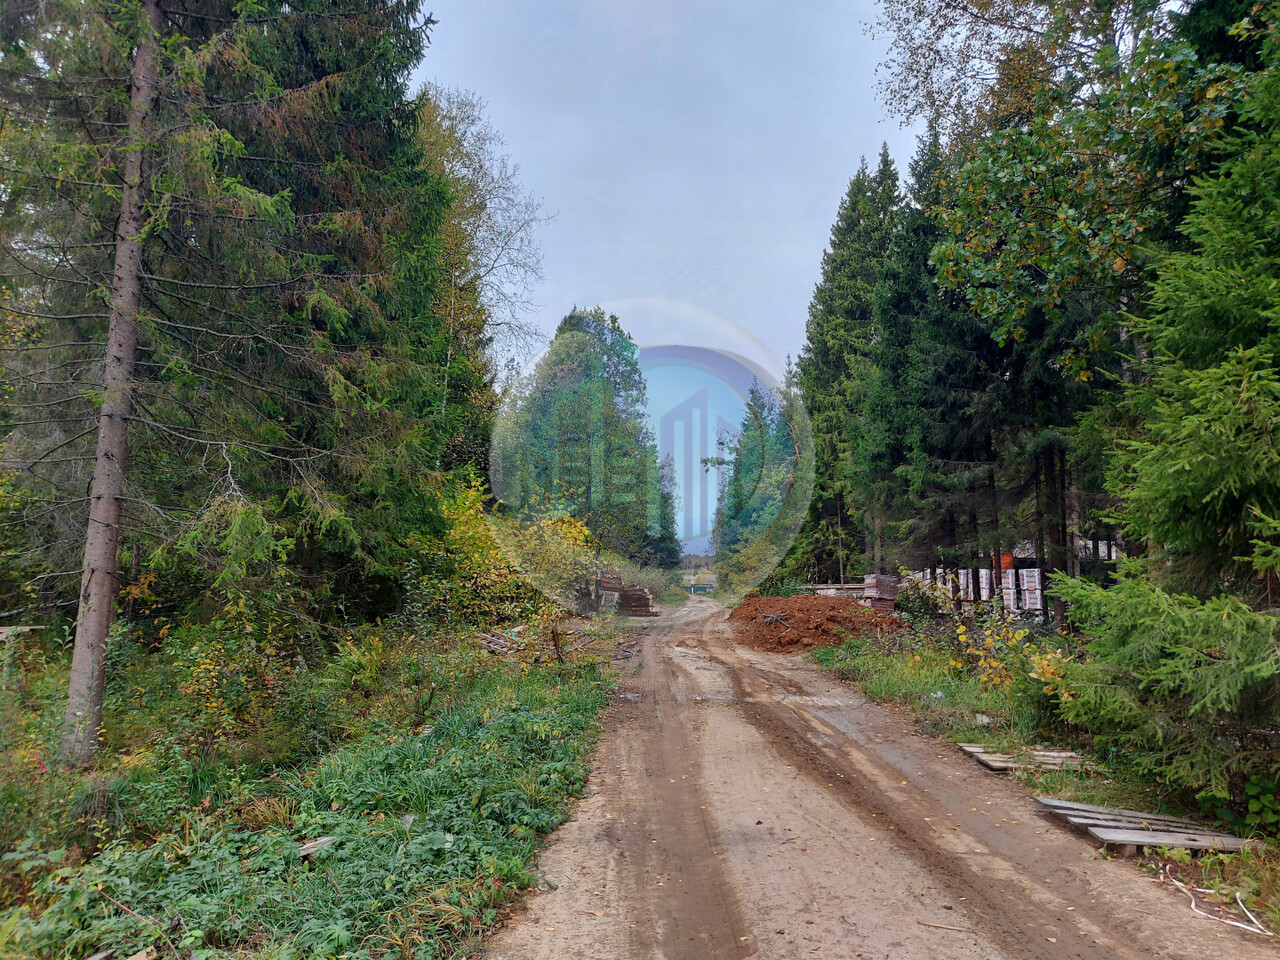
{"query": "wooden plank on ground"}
[(1064, 807), (1167, 838), (1128, 831), (1127, 823), (1033, 758), (1175, 823)]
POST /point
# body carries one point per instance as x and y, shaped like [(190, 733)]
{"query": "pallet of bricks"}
[(634, 601), (880, 592), (608, 590)]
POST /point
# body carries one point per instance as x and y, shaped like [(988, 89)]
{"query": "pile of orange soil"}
[(801, 621)]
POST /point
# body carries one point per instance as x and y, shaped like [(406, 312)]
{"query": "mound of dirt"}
[(802, 621)]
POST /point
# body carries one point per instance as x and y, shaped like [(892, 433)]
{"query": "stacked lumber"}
[(635, 601), (610, 580), (608, 588)]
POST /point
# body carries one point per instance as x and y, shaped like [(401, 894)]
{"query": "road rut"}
[(747, 806)]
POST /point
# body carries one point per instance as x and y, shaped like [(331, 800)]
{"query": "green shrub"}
[(1189, 688), (780, 585)]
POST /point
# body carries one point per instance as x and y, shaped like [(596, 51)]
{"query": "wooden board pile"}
[(1127, 831), (500, 643), (608, 588), (634, 601), (610, 580), (1036, 757)]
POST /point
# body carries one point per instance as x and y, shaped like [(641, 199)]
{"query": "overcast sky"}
[(690, 150)]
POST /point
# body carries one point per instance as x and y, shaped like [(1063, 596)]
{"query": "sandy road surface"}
[(746, 806)]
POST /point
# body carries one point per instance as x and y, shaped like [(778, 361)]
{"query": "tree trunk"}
[(1054, 481), (949, 540), (975, 575), (1070, 530), (840, 536), (1040, 551), (997, 579), (99, 580)]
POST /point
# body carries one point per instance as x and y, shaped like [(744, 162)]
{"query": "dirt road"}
[(747, 806)]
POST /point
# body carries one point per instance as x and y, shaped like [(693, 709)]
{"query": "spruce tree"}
[(219, 219), (834, 366), (1185, 668)]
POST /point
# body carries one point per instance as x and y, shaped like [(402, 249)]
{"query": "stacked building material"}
[(608, 587), (610, 580), (634, 601), (880, 592)]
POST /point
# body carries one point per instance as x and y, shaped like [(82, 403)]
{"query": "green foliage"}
[(834, 365), (1202, 476), (1189, 685), (765, 492), (1190, 689), (465, 577), (573, 441), (1049, 219), (433, 830), (778, 584), (297, 385), (1263, 804)]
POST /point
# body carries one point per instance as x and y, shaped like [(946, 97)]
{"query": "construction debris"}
[(501, 644), (505, 645)]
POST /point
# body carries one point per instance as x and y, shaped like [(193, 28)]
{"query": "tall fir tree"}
[(834, 367), (219, 219)]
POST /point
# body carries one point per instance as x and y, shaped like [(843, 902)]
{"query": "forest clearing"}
[(697, 519)]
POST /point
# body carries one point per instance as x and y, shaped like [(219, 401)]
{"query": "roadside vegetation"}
[(1010, 684), (434, 766), (1053, 346)]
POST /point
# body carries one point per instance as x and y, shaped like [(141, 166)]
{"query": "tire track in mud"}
[(748, 807), (1019, 925)]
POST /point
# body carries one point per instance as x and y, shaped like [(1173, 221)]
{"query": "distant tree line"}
[(574, 440)]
